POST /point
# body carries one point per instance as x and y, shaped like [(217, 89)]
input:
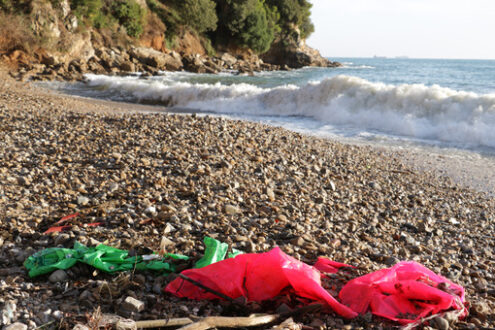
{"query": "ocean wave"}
[(417, 111), (357, 67)]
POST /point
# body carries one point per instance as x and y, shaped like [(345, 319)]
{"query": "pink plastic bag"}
[(405, 293), (326, 265), (258, 277)]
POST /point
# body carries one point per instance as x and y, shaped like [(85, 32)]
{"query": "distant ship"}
[(380, 57)]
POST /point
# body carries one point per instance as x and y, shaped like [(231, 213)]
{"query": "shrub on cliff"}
[(294, 12), (14, 6), (86, 9), (16, 34), (131, 15), (199, 14), (170, 17), (247, 22)]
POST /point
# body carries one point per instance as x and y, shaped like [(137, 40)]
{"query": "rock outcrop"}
[(296, 56), (156, 59), (291, 50)]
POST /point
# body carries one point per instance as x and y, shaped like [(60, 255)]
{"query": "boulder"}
[(80, 47), (127, 66), (228, 59), (212, 66), (193, 63), (156, 59)]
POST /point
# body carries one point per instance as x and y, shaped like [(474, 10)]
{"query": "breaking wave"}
[(415, 111)]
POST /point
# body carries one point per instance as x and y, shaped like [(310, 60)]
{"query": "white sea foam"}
[(415, 111), (357, 66)]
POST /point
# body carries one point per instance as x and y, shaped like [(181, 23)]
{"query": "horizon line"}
[(405, 57)]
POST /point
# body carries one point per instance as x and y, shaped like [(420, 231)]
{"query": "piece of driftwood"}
[(231, 322), (245, 322), (212, 321), (287, 324), (179, 322)]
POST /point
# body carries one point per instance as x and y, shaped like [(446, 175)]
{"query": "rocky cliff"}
[(50, 40)]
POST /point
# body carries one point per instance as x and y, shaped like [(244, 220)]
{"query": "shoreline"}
[(196, 176), (469, 168)]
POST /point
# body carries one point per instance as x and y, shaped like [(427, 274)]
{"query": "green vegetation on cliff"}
[(246, 23), (253, 24), (220, 24), (131, 15)]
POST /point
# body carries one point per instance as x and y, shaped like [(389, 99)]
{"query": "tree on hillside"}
[(199, 14), (131, 15), (247, 22), (294, 12)]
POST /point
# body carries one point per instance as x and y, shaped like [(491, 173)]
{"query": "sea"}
[(444, 104)]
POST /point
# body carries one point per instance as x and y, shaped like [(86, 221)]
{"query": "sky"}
[(413, 28)]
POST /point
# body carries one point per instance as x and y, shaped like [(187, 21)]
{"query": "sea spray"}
[(409, 110)]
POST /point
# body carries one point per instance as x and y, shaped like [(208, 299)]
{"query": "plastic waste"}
[(49, 260), (110, 259), (67, 217), (404, 293), (257, 277), (59, 228), (215, 251), (102, 257), (326, 265)]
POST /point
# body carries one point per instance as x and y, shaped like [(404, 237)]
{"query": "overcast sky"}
[(414, 28)]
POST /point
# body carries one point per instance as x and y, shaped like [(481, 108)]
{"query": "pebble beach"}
[(146, 175)]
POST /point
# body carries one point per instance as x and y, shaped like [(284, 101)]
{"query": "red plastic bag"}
[(258, 277), (404, 293), (326, 265)]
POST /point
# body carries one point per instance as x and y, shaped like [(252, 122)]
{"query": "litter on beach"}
[(405, 293)]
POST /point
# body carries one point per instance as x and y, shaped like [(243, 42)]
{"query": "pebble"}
[(133, 305), (390, 261), (58, 315), (231, 209), (441, 323), (169, 228), (375, 185), (151, 210), (481, 310), (58, 276), (83, 201), (317, 324), (8, 311), (113, 187), (333, 187), (16, 326), (270, 194), (61, 238), (24, 181), (297, 241)]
